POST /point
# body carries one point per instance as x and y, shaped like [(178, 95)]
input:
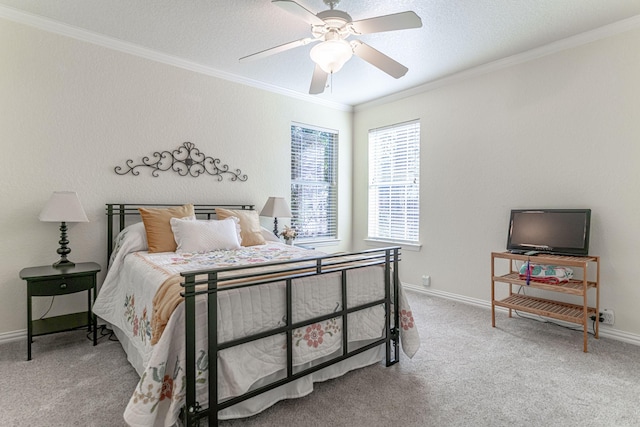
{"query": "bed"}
[(285, 317)]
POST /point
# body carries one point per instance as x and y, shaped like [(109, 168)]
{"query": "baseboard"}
[(604, 330), (447, 295), (13, 336)]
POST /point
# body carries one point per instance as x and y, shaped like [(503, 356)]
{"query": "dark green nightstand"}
[(50, 281)]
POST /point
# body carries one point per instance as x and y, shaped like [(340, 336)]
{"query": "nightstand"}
[(49, 281)]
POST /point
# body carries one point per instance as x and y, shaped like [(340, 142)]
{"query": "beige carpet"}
[(521, 373)]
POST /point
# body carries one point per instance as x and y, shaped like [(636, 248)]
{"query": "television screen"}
[(555, 231)]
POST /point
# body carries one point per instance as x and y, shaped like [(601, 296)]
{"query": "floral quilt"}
[(126, 301)]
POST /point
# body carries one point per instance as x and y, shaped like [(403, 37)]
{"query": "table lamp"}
[(63, 207), (276, 207)]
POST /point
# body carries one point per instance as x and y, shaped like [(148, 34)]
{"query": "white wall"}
[(71, 111), (559, 131)]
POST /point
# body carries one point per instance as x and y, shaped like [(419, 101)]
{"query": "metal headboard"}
[(117, 214)]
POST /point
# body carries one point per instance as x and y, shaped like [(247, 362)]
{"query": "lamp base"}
[(63, 250), (61, 263)]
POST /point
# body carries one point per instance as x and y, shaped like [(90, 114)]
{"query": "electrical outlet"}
[(426, 281), (607, 316)]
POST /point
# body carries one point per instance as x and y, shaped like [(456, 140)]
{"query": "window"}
[(314, 162), (394, 182)]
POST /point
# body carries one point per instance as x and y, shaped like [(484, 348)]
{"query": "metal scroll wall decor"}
[(186, 160)]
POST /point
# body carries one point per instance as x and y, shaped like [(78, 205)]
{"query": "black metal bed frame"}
[(286, 271)]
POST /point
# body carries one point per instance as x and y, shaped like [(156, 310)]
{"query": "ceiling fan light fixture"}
[(331, 55)]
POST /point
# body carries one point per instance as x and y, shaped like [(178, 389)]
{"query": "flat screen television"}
[(550, 231)]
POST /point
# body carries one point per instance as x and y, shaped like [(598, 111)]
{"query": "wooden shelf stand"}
[(574, 313)]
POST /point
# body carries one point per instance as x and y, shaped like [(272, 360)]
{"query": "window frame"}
[(410, 169), (331, 184)]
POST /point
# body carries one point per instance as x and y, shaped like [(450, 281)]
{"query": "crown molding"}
[(81, 34), (84, 35), (549, 49)]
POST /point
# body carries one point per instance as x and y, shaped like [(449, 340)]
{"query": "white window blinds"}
[(314, 162), (394, 182)]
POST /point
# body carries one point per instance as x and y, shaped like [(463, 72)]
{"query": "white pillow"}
[(131, 239), (204, 236)]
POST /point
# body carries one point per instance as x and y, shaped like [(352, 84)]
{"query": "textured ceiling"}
[(456, 35)]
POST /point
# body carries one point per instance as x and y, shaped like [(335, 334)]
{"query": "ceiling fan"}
[(331, 28)]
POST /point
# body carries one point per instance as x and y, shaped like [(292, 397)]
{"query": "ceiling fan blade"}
[(396, 21), (299, 11), (277, 49), (318, 81), (378, 59)]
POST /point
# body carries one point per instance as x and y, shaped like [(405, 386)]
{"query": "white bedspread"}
[(125, 301)]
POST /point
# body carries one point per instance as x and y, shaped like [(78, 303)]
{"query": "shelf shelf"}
[(66, 322), (557, 310), (566, 260), (573, 286)]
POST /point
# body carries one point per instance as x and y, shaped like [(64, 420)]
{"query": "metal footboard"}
[(288, 271)]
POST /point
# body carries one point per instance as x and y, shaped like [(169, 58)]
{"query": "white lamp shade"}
[(63, 206), (331, 55), (276, 207)]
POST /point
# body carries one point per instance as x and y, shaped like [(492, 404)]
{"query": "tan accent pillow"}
[(250, 229), (158, 228)]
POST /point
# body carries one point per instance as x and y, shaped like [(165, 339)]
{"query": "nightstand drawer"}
[(61, 285)]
